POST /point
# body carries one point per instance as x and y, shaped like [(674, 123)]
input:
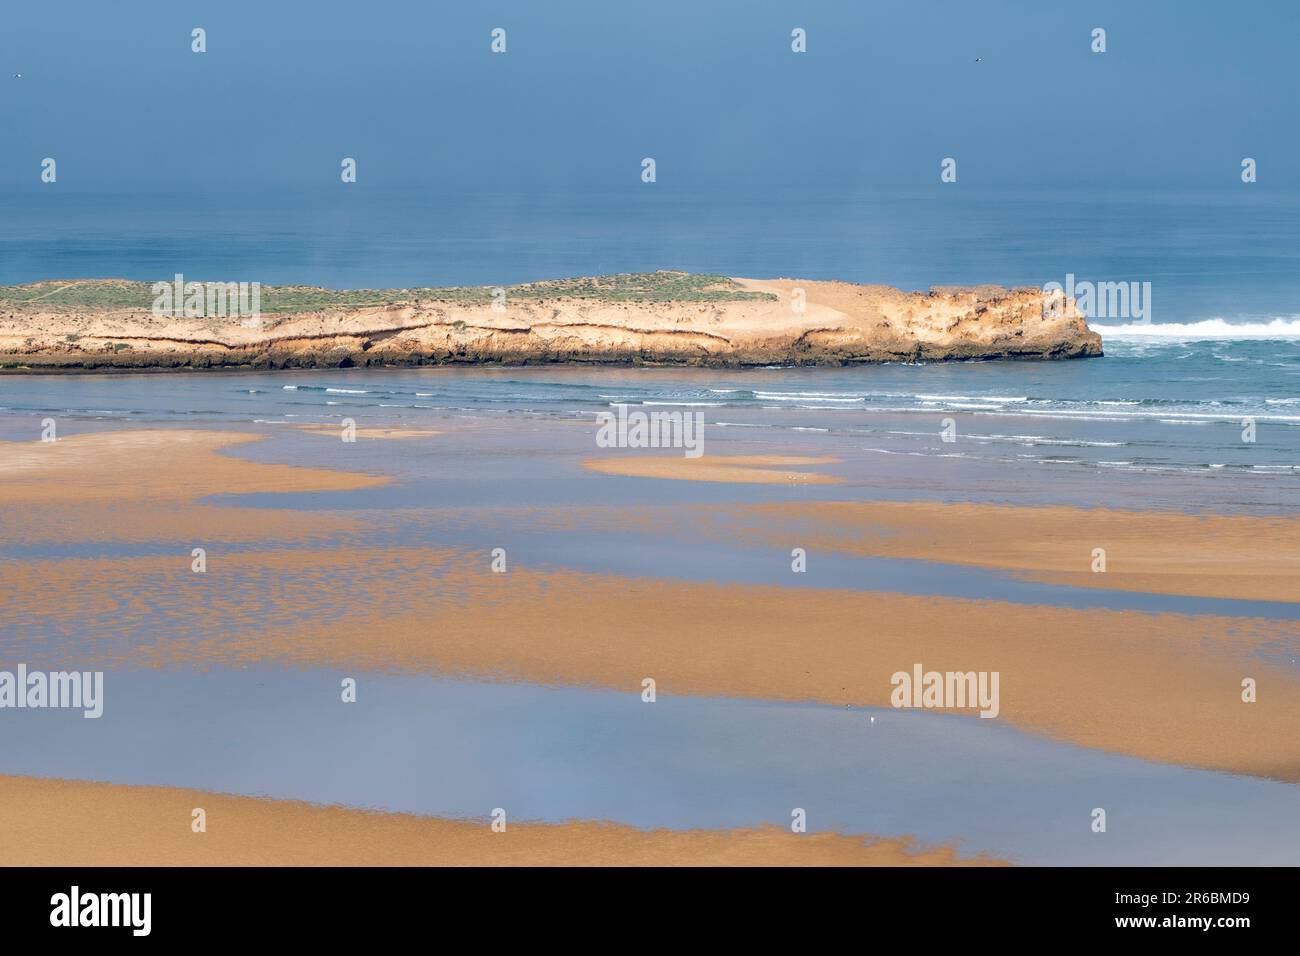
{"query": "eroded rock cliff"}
[(704, 321)]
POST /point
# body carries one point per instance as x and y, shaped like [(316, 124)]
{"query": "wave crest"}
[(1207, 330)]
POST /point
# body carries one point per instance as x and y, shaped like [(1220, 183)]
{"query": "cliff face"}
[(782, 322)]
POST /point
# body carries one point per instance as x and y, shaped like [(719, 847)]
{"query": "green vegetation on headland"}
[(108, 295)]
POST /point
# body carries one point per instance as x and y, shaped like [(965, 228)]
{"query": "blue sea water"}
[(1158, 422), (1198, 401), (459, 748), (1231, 254), (1219, 344), (1215, 410)]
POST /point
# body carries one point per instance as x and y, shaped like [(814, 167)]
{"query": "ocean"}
[(1211, 410), (1232, 255), (1220, 353), (1197, 410)]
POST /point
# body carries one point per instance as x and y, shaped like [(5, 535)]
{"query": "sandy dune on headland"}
[(741, 322), (74, 823)]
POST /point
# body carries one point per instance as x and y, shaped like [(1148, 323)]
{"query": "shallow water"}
[(508, 460), (458, 748), (1029, 432)]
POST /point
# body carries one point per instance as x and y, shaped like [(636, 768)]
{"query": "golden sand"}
[(160, 465), (145, 485), (1165, 687), (737, 469), (71, 823), (1243, 557), (1161, 686), (1237, 556)]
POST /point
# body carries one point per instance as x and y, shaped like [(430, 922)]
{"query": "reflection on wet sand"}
[(1165, 552), (1161, 686), (334, 589)]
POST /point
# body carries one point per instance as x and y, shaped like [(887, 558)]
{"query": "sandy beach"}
[(711, 481), (149, 485), (1121, 681), (71, 823), (1238, 556), (1162, 686)]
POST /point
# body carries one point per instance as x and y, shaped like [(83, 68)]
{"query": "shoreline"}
[(295, 363)]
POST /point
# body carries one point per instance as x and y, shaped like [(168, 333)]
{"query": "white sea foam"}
[(974, 398), (1045, 440), (805, 396), (1208, 330), (690, 404)]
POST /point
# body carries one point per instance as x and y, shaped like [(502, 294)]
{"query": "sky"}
[(588, 88)]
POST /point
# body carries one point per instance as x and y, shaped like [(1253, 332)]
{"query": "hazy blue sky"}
[(709, 88)]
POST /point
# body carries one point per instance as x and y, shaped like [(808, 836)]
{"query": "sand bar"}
[(1165, 687), (1225, 556), (74, 823), (738, 469), (147, 485)]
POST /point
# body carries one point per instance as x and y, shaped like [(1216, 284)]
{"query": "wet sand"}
[(162, 465), (738, 469), (1166, 687), (73, 823), (147, 485), (1161, 686), (1237, 556)]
